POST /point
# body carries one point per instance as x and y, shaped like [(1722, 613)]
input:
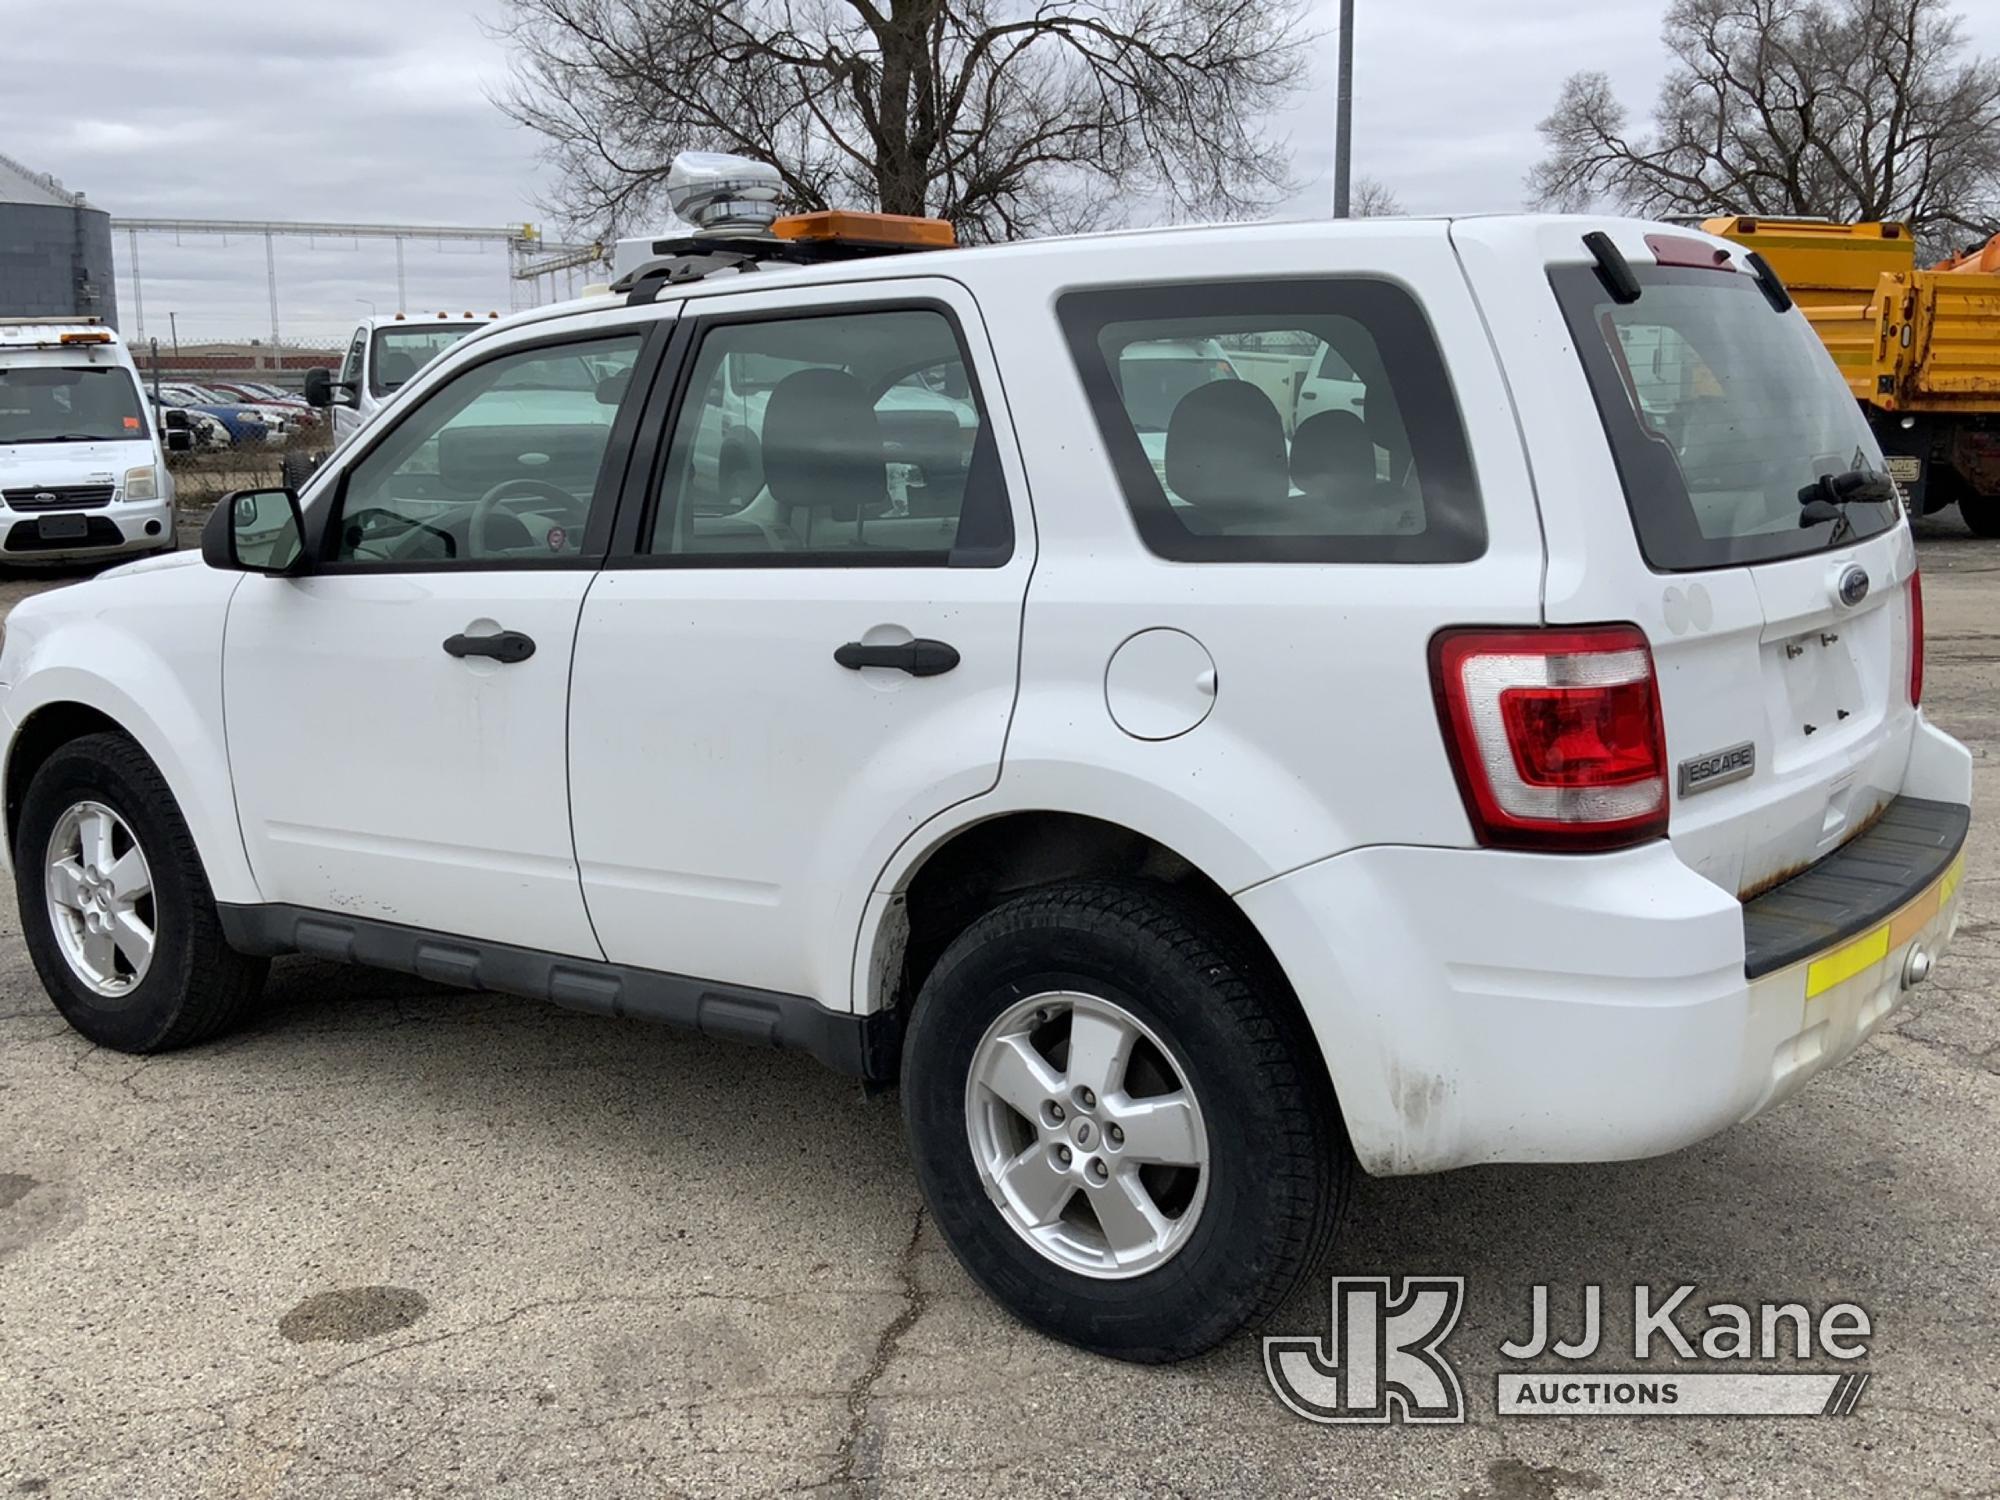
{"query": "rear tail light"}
[(1916, 639), (1555, 735)]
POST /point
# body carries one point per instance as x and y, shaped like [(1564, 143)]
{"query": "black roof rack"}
[(693, 257)]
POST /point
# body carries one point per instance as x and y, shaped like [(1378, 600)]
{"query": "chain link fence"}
[(243, 402)]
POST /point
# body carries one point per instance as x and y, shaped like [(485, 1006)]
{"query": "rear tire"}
[(1981, 513), (1228, 1238), (88, 934)]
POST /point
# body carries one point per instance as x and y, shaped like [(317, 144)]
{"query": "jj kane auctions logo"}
[(1383, 1358)]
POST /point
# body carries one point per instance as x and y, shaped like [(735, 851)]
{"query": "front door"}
[(784, 672), (396, 716)]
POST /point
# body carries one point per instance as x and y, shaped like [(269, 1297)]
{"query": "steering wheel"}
[(487, 504), (355, 529)]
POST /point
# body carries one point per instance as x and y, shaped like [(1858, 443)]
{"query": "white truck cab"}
[(384, 353), (1187, 810), (83, 469)]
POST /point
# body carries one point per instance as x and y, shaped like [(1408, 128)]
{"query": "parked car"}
[(83, 469), (290, 408), (1523, 771), (266, 393), (206, 432), (246, 425), (1329, 385)]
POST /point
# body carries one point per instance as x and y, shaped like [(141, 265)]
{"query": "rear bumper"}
[(122, 527), (1478, 1005)]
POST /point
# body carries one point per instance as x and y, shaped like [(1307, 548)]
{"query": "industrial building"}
[(55, 250)]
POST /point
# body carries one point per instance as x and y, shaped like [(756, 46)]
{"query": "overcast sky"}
[(377, 111)]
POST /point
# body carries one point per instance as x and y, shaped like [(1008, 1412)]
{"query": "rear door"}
[(779, 675), (1677, 438)]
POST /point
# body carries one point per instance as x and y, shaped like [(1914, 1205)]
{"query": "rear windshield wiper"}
[(1828, 496), (1850, 487)]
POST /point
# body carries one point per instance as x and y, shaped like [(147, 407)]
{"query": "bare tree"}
[(1841, 109), (1373, 198), (1009, 117)]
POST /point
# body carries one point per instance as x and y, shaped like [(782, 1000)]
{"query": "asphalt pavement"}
[(395, 1239)]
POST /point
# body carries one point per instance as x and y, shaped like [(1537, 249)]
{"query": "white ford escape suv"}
[(1525, 764)]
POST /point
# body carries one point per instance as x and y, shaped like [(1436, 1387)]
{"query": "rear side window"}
[(1278, 421), (1723, 417), (840, 439)]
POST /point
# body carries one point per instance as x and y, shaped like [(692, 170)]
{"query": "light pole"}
[(1343, 110), (174, 328), (371, 304)]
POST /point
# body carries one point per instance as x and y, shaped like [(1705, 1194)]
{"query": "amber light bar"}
[(846, 227)]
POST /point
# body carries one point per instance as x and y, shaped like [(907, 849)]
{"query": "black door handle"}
[(920, 658), (507, 646)]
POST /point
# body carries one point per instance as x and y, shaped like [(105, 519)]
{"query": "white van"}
[(83, 469)]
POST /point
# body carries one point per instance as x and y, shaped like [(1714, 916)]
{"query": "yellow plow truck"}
[(1920, 348)]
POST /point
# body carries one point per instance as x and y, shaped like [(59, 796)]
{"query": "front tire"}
[(1119, 1120), (115, 906)]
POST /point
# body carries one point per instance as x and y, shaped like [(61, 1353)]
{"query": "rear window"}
[(1230, 445), (1723, 417)]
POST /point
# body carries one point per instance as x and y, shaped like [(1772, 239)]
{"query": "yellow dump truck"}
[(1920, 348)]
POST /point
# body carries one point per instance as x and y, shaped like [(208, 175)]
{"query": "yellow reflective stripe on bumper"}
[(1846, 962)]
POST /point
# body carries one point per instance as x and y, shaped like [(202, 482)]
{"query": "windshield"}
[(1724, 417), (401, 352), (55, 403)]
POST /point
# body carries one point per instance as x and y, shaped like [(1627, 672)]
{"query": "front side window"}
[(1724, 417), (498, 464), (350, 363), (849, 439), (68, 403), (1301, 421), (401, 352)]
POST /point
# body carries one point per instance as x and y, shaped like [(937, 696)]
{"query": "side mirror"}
[(174, 418), (318, 388), (254, 531), (180, 440)]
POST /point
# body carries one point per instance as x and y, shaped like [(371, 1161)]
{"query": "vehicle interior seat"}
[(824, 462), (395, 368), (1226, 457), (1334, 461), (934, 442)]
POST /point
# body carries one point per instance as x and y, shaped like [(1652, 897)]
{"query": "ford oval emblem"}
[(43, 497), (1853, 585)]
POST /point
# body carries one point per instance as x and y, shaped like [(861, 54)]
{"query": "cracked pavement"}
[(530, 1253)]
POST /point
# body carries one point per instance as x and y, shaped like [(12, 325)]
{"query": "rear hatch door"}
[(1677, 438)]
